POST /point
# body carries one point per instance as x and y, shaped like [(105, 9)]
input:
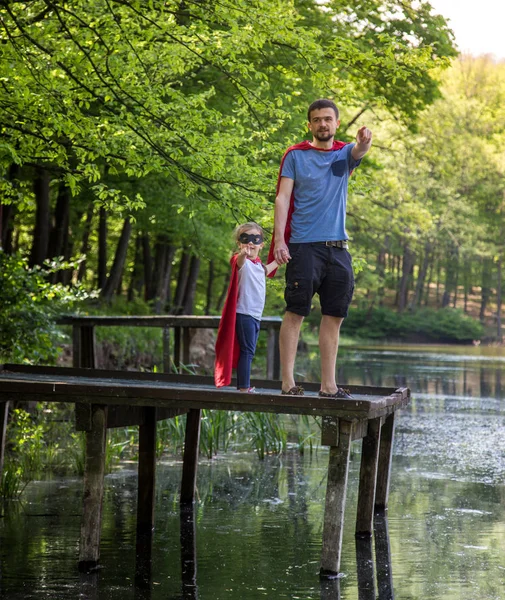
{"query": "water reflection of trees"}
[(433, 373)]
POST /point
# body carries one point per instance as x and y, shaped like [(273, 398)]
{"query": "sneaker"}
[(341, 394), (296, 390)]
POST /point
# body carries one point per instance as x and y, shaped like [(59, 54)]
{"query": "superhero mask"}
[(255, 238)]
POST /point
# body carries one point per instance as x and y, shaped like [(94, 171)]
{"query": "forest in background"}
[(135, 136)]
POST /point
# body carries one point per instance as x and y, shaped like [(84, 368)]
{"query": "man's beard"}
[(323, 136)]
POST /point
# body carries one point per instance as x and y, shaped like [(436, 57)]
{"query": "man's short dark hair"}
[(322, 103)]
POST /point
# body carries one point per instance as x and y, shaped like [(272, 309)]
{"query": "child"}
[(243, 307)]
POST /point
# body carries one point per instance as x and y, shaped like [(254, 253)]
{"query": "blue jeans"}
[(247, 329)]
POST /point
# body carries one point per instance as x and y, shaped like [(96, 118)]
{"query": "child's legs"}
[(247, 329)]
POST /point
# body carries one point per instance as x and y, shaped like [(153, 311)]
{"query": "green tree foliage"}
[(195, 90), (29, 305), (179, 112)]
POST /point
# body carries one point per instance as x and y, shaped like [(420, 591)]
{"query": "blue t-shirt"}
[(320, 190)]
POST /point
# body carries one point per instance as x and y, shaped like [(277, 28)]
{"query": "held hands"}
[(281, 254)]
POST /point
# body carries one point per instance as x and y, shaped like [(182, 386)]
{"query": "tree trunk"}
[(451, 270), (499, 300), (403, 290), (7, 212), (165, 297), (189, 295), (437, 295), (181, 283), (210, 282), (148, 267), (456, 283), (136, 279), (102, 248), (81, 273), (116, 271), (485, 288), (59, 230), (41, 230), (222, 295), (421, 278)]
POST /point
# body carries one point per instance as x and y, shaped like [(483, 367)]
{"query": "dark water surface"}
[(258, 525)]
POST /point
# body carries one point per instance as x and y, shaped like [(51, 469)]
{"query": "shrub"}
[(29, 304), (443, 325)]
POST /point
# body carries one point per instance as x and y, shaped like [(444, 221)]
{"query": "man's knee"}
[(292, 319)]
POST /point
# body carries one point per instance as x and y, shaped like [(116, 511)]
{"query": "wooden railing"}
[(84, 347)]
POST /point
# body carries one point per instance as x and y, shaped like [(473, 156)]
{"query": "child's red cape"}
[(305, 145), (227, 348)]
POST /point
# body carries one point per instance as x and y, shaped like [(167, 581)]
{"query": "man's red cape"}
[(305, 145), (227, 348)]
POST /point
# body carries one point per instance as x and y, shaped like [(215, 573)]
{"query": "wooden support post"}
[(91, 520), (365, 569), (177, 349), (338, 468), (147, 473), (273, 362), (4, 414), (166, 349), (190, 464), (83, 343), (383, 558), (84, 356), (368, 479), (384, 468), (186, 339)]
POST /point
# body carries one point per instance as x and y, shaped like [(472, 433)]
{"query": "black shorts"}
[(325, 270)]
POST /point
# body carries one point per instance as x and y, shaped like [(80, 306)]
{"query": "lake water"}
[(258, 524)]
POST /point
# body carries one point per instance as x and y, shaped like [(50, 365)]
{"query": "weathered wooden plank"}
[(190, 463), (146, 472), (338, 468), (368, 479), (384, 467), (91, 520), (194, 321), (190, 398), (196, 380), (329, 431)]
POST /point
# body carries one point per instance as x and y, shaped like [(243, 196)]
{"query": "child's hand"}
[(246, 250)]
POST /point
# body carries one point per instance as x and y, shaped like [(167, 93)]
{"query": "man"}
[(310, 236)]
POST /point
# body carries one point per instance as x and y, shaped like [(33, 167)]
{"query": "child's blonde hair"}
[(240, 229)]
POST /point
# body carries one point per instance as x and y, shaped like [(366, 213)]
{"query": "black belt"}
[(336, 243)]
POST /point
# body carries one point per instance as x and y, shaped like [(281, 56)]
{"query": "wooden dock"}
[(106, 399)]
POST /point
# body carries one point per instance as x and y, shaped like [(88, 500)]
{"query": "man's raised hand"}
[(364, 136)]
